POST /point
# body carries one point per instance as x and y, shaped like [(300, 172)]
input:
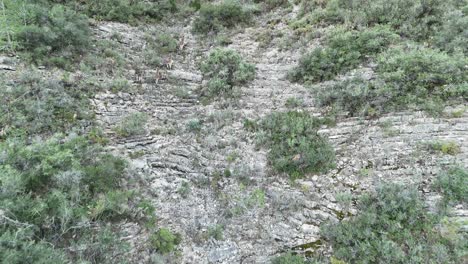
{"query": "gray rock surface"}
[(369, 152)]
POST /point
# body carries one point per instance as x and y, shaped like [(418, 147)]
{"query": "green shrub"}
[(164, 241), (12, 17), (163, 43), (19, 247), (414, 76), (129, 10), (453, 184), (293, 102), (184, 190), (50, 188), (35, 105), (46, 163), (216, 232), (392, 226), (415, 19), (356, 96), (195, 125), (213, 17), (411, 77), (111, 205), (295, 146), (445, 147), (452, 36), (344, 51), (272, 4), (288, 259), (226, 69), (59, 32), (103, 246), (119, 85), (132, 125)]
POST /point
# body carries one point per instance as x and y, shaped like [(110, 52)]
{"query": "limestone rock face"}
[(170, 156)]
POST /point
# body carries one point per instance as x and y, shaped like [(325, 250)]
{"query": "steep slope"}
[(261, 213)]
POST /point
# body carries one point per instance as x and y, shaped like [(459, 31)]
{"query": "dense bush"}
[(417, 75), (164, 241), (453, 184), (32, 104), (272, 4), (295, 146), (393, 226), (19, 247), (414, 19), (344, 51), (452, 36), (11, 21), (104, 246), (58, 32), (129, 10), (356, 96), (225, 69), (49, 190), (213, 17), (407, 77)]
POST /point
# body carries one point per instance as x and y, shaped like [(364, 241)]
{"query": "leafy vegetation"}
[(415, 75), (58, 103), (215, 17), (453, 184), (393, 226), (345, 50), (164, 241), (50, 35), (288, 259), (356, 96), (52, 190), (272, 4), (413, 19), (444, 147), (63, 196), (132, 125), (225, 69), (216, 232), (125, 11), (295, 146), (453, 33), (407, 77), (423, 69), (194, 125)]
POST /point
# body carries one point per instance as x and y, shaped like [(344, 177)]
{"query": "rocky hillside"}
[(199, 157)]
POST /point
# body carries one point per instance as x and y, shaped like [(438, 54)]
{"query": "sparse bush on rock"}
[(295, 146), (225, 69), (132, 125), (164, 241)]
